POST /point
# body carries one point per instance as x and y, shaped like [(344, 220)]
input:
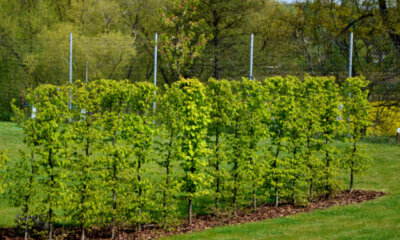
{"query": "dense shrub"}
[(110, 160)]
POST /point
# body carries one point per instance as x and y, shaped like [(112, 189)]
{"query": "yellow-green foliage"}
[(385, 119), (91, 165)]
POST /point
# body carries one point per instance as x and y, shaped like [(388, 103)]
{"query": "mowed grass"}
[(11, 139), (378, 219)]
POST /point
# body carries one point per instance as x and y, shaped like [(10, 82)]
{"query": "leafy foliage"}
[(355, 110), (93, 165)]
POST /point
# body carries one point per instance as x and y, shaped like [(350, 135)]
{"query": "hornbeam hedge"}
[(112, 161)]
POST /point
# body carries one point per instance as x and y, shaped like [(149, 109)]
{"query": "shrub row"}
[(111, 160)]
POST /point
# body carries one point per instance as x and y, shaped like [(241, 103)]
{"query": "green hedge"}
[(113, 161)]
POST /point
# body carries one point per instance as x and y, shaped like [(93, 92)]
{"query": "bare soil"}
[(152, 231)]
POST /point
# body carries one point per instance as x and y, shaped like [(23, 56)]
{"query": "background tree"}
[(181, 43)]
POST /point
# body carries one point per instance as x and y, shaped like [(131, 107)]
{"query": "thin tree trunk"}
[(352, 169), (84, 188), (217, 191), (190, 205), (114, 190), (311, 169), (50, 159), (351, 180), (167, 170), (253, 186), (27, 197), (236, 175), (216, 42), (328, 188), (295, 160), (140, 193), (274, 165), (83, 232), (254, 198), (114, 203), (294, 192), (191, 191), (235, 189), (165, 194)]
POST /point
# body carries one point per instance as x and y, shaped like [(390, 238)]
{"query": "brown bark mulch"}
[(209, 221)]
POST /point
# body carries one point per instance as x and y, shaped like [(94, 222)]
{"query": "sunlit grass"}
[(377, 219)]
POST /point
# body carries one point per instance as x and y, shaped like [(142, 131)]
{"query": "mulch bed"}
[(210, 221)]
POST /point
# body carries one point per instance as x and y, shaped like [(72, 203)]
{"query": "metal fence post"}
[(350, 70), (155, 69), (351, 55), (87, 73), (70, 74), (70, 70), (251, 56)]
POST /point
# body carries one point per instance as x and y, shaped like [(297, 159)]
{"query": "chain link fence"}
[(114, 56)]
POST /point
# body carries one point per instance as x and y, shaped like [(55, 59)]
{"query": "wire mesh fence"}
[(114, 56)]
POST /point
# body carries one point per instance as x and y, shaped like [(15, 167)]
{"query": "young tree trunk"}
[(216, 43), (254, 198), (253, 186), (50, 230), (296, 175), (167, 171), (328, 186), (294, 192), (27, 197), (217, 190), (274, 165), (190, 205), (235, 190), (352, 169), (235, 176), (82, 232), (114, 189), (84, 188), (50, 159), (114, 202), (276, 197), (191, 192), (165, 194), (311, 190), (140, 193), (351, 180)]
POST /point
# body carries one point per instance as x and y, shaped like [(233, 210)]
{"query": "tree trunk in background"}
[(384, 12)]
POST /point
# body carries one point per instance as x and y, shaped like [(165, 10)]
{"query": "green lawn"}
[(10, 139), (378, 219)]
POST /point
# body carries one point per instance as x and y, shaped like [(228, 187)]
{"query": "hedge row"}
[(111, 160)]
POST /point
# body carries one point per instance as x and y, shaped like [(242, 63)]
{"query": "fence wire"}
[(113, 56)]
